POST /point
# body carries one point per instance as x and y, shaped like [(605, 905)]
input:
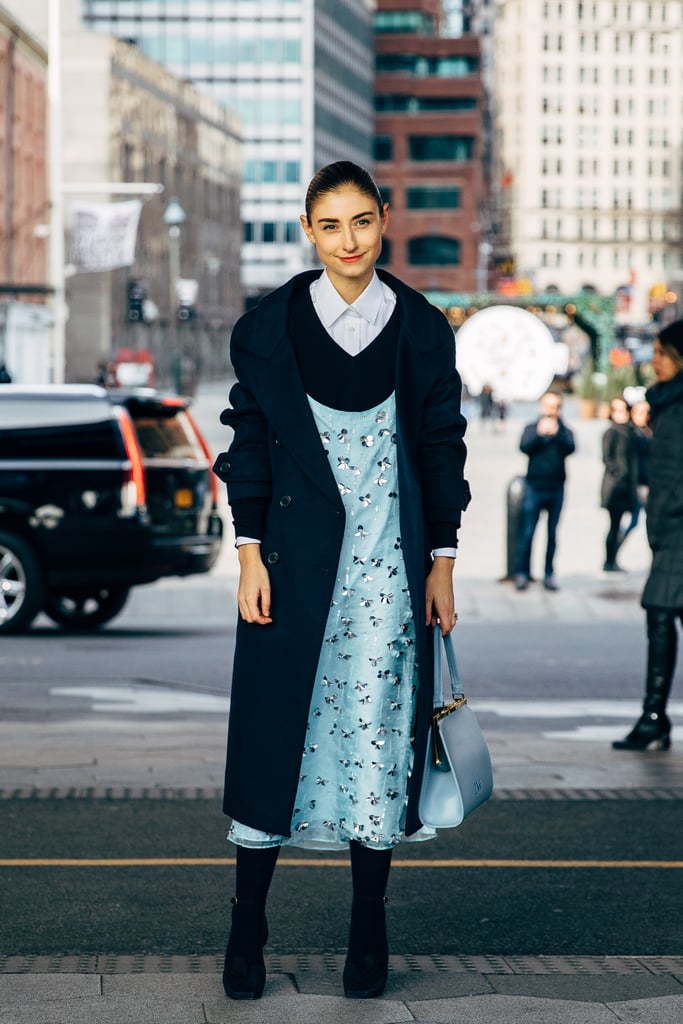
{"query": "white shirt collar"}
[(330, 305)]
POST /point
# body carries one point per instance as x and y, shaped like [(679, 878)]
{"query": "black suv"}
[(99, 491)]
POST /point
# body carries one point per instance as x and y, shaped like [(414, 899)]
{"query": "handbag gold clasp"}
[(440, 713)]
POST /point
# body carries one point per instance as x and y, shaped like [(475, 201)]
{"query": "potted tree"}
[(588, 385)]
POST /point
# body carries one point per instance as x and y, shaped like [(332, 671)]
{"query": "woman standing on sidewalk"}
[(620, 480), (345, 477), (663, 594)]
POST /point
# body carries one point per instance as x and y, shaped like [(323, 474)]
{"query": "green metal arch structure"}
[(594, 314)]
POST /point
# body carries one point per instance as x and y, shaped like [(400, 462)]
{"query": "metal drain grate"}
[(199, 793), (329, 963)]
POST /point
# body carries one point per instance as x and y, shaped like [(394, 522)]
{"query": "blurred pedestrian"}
[(547, 443), (620, 478), (486, 405), (5, 375), (663, 594), (500, 408), (345, 478), (640, 418)]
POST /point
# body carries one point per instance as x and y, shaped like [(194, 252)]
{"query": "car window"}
[(75, 441), (167, 437)]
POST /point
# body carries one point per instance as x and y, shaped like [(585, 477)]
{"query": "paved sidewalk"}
[(549, 991)]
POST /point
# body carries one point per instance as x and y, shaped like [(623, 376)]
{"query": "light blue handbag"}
[(457, 777)]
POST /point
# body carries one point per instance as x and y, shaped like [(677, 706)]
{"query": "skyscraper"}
[(299, 73)]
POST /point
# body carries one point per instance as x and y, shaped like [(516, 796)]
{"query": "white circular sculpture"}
[(509, 349)]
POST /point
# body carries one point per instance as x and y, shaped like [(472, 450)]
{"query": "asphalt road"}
[(521, 660), (598, 891)]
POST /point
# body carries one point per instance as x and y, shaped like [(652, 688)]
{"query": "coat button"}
[(285, 501), (272, 557), (278, 442), (224, 467)]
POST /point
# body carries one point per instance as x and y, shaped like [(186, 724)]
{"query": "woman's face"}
[(640, 414), (346, 228), (663, 365), (620, 412)]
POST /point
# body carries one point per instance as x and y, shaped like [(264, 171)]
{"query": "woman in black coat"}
[(345, 478), (663, 594), (620, 479)]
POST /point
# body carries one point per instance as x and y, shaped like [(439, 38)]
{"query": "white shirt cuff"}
[(444, 552), (239, 541)]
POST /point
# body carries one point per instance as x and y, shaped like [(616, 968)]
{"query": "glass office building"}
[(300, 75)]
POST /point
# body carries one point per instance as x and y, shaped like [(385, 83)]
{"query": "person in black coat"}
[(345, 480), (547, 442), (640, 419), (663, 594), (620, 479)]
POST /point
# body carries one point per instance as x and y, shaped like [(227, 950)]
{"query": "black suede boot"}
[(367, 960), (244, 970), (653, 728)]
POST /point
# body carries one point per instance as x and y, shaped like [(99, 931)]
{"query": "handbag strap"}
[(454, 675)]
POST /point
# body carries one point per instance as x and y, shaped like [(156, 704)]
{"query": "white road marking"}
[(144, 700)]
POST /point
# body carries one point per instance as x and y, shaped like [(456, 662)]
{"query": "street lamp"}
[(174, 216)]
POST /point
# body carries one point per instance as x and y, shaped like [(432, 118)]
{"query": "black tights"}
[(254, 873), (614, 537), (369, 871), (255, 867)]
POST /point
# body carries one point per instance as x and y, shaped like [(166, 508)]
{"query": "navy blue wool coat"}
[(276, 453)]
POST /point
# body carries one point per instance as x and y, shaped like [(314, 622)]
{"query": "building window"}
[(433, 197), (385, 193), (383, 148), (409, 22), (441, 147), (401, 103), (416, 64), (433, 251), (269, 230)]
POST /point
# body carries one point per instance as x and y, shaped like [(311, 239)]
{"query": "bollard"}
[(515, 498)]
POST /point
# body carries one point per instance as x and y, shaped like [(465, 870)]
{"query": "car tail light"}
[(133, 496), (207, 451)]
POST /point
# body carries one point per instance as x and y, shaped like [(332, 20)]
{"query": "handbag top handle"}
[(454, 675)]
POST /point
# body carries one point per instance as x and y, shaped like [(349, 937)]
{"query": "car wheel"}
[(21, 584), (85, 609)]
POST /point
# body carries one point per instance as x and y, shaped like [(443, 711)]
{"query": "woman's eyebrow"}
[(335, 220)]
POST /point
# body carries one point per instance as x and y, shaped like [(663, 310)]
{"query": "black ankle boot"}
[(244, 970), (367, 961), (652, 728)]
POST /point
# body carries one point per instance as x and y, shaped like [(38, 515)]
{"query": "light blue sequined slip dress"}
[(358, 754)]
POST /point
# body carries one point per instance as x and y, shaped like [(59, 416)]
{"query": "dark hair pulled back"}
[(338, 175)]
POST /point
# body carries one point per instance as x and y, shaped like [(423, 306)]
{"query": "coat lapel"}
[(276, 384)]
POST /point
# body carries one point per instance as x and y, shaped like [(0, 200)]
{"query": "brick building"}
[(430, 147), (23, 142)]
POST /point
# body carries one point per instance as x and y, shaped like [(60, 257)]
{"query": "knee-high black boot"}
[(653, 726), (244, 970), (367, 960)]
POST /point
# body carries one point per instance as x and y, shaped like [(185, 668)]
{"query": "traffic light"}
[(186, 294), (136, 296)]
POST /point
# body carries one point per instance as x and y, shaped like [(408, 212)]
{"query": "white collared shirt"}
[(353, 326)]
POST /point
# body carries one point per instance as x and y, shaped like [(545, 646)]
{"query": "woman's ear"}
[(385, 216), (307, 228)]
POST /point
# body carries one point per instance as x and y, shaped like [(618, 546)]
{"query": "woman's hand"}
[(440, 599), (253, 592)]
